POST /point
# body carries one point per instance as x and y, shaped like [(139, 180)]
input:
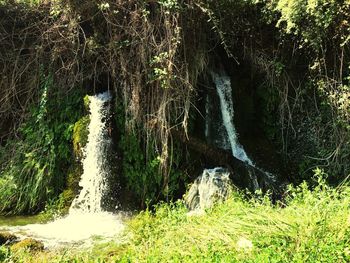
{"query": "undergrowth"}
[(308, 225), (33, 165)]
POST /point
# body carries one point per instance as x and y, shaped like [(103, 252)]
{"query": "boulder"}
[(212, 186)]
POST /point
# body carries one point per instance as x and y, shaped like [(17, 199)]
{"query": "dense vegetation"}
[(151, 55)]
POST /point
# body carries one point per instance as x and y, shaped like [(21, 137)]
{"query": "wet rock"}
[(28, 244), (212, 186), (7, 238)]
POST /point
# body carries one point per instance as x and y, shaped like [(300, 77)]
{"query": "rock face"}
[(212, 186)]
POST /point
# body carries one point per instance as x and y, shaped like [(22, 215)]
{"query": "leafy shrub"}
[(142, 177)]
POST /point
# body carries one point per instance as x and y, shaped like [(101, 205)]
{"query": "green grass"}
[(309, 226)]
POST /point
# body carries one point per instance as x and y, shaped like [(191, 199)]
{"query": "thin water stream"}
[(224, 91)]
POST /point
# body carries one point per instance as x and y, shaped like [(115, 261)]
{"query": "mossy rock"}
[(80, 131), (7, 238), (80, 136), (67, 197), (72, 186), (28, 244), (87, 102), (73, 177)]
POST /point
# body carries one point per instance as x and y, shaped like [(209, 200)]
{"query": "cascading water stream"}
[(86, 217), (95, 164), (223, 88), (228, 137)]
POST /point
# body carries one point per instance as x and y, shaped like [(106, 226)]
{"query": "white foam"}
[(78, 228)]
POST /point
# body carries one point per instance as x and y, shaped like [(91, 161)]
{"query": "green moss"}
[(73, 177), (67, 198), (72, 187), (28, 244), (87, 102), (80, 135)]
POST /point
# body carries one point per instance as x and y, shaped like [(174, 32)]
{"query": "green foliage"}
[(35, 172), (313, 20), (141, 165), (319, 14), (160, 72), (269, 102), (338, 96), (143, 177), (330, 127), (26, 2), (169, 4)]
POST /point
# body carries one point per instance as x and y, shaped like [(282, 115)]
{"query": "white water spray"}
[(86, 218), (95, 164)]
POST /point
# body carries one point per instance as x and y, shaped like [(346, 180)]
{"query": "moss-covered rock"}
[(72, 187), (7, 238), (67, 197), (73, 177), (80, 136), (87, 102), (28, 244)]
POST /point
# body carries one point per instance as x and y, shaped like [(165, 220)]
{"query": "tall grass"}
[(308, 226)]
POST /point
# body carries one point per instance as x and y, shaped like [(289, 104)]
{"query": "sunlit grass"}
[(307, 226)]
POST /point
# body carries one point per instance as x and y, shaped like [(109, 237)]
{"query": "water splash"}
[(78, 229), (86, 218)]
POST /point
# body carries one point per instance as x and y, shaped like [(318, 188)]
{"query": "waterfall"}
[(95, 164), (86, 218), (220, 131), (224, 91)]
